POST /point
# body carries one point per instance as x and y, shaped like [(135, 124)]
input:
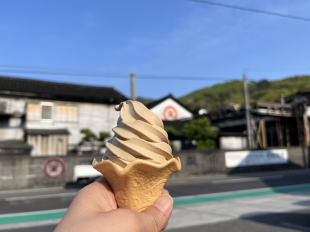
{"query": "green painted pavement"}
[(32, 217), (40, 216), (234, 195)]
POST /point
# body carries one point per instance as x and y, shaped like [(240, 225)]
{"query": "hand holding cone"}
[(138, 160)]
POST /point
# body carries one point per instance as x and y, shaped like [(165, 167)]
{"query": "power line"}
[(63, 73), (254, 10), (25, 70)]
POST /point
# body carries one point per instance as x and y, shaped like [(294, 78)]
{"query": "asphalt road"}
[(239, 182), (58, 198)]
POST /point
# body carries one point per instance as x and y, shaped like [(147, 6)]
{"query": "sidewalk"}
[(214, 208), (197, 209)]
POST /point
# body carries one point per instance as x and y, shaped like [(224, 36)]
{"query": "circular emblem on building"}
[(54, 168), (170, 113)]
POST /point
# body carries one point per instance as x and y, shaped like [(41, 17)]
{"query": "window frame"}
[(50, 104)]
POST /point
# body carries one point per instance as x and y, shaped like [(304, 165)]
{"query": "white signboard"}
[(260, 157), (171, 110)]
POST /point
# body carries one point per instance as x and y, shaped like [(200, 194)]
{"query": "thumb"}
[(155, 218)]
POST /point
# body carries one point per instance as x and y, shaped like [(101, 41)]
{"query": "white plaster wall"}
[(96, 117), (181, 112), (233, 142), (14, 105), (308, 111)]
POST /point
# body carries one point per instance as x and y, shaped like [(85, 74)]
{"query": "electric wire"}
[(253, 10), (103, 75)]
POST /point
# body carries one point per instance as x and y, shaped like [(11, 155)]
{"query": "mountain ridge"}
[(231, 92)]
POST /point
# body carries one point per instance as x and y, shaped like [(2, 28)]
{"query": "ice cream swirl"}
[(139, 134)]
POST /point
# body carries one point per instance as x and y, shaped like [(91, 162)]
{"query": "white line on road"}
[(52, 195), (23, 225), (246, 179), (30, 190)]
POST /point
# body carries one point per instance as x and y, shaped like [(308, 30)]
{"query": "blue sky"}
[(162, 37)]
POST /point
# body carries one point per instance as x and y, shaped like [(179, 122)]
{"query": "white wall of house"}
[(308, 111), (49, 145), (171, 110), (233, 142), (12, 105), (72, 116)]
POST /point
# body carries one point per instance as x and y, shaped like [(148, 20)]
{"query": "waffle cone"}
[(140, 183)]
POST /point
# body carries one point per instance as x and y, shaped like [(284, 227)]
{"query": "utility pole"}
[(132, 86), (247, 112)]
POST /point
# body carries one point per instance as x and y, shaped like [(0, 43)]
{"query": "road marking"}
[(32, 216), (294, 226), (32, 212), (246, 179), (30, 190), (239, 194), (53, 195), (22, 225), (47, 215)]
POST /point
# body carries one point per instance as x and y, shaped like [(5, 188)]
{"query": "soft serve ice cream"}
[(138, 160), (139, 135)]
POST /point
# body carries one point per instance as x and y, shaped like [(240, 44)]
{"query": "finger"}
[(155, 217), (96, 197)]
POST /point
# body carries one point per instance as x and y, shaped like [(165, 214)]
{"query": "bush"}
[(202, 132)]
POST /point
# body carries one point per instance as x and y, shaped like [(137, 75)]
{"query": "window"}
[(46, 111), (66, 113)]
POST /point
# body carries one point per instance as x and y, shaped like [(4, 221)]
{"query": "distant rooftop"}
[(12, 86)]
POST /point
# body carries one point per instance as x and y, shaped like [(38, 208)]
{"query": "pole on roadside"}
[(132, 86), (247, 112)]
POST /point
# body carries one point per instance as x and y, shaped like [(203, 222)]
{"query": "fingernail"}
[(164, 203)]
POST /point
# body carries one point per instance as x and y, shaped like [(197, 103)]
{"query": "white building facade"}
[(51, 121), (170, 109)]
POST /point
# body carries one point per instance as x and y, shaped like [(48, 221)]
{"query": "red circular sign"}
[(54, 168), (170, 113)]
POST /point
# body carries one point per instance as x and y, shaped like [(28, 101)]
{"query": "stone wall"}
[(203, 162), (21, 171)]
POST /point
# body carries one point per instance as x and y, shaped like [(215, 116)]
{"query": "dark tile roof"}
[(30, 88), (299, 97), (47, 132), (156, 102), (14, 144)]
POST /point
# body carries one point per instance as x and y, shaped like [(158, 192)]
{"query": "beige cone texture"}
[(140, 183)]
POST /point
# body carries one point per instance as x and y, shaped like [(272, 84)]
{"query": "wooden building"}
[(49, 115)]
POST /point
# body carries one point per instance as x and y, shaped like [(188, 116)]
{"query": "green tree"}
[(103, 136), (89, 135), (171, 130), (202, 132)]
